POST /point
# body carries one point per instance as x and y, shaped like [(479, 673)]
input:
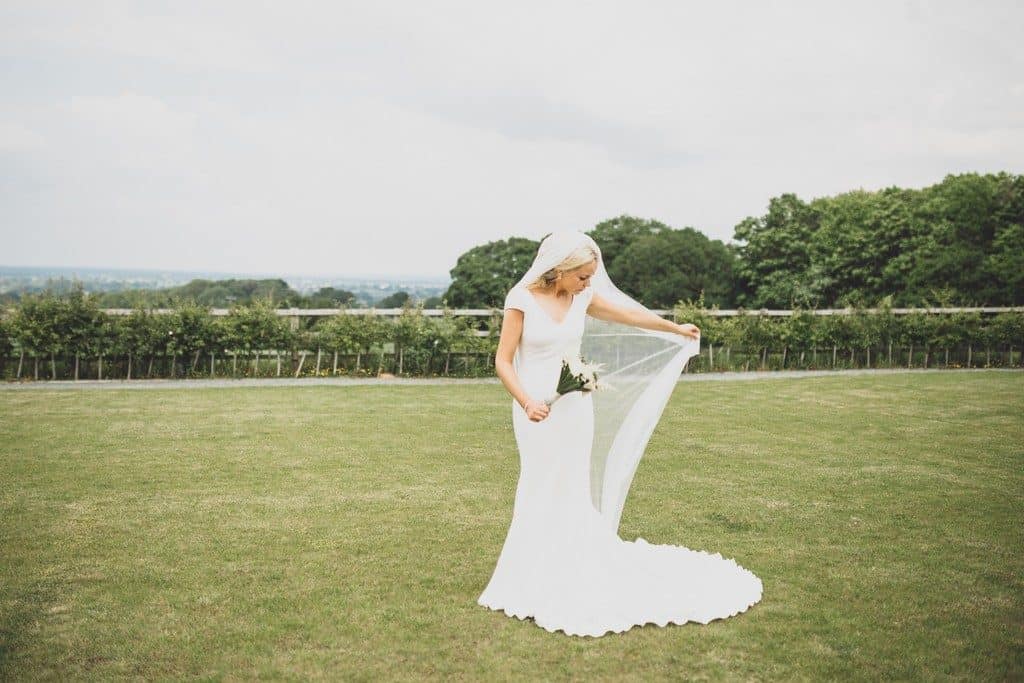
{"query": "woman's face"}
[(578, 279)]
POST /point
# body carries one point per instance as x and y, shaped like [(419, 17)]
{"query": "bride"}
[(563, 562)]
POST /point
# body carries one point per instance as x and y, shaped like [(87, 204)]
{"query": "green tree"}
[(79, 321), (859, 234), (351, 333), (672, 265), (958, 240), (6, 343), (1008, 331), (410, 334), (396, 300), (191, 331), (451, 334), (614, 235), (211, 293), (962, 217), (329, 297), (1005, 265), (141, 335), (774, 259), (36, 326), (483, 275), (253, 328), (103, 341)]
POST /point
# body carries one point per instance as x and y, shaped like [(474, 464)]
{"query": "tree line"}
[(220, 294), (959, 242)]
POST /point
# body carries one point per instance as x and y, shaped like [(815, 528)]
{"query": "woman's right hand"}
[(536, 410)]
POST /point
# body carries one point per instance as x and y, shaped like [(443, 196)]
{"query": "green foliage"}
[(1008, 328), (81, 321), (190, 328), (647, 259), (218, 294), (662, 268), (340, 333), (801, 329), (615, 235), (697, 313), (255, 326), (484, 274), (728, 331), (368, 331), (45, 326), (36, 324), (6, 338), (329, 297), (411, 332), (303, 339), (1005, 264), (141, 332), (104, 339), (917, 329), (451, 332), (755, 330), (774, 263), (396, 300), (960, 241)]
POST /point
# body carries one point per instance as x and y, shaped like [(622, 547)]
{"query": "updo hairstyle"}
[(580, 257)]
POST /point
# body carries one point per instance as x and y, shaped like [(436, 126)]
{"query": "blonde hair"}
[(578, 258)]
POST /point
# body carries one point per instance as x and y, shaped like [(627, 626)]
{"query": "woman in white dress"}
[(563, 563)]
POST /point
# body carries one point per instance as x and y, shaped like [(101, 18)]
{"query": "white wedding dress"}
[(561, 564)]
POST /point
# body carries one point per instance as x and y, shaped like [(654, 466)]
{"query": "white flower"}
[(580, 368), (575, 363)]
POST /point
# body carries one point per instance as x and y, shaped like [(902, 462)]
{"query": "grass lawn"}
[(346, 532)]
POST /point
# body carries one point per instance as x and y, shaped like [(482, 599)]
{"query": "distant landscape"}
[(126, 288)]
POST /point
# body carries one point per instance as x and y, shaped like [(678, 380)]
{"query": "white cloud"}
[(16, 137), (132, 131)]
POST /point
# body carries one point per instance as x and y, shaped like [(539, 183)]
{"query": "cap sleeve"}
[(516, 298)]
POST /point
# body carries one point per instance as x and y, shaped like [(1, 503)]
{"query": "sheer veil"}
[(640, 370)]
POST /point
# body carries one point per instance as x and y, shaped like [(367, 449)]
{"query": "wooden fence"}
[(319, 361), (295, 315)]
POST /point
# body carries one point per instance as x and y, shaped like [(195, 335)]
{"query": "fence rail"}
[(392, 312), (296, 314)]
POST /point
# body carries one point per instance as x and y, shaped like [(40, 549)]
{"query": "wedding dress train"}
[(561, 563)]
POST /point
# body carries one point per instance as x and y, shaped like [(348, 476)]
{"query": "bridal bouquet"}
[(576, 375)]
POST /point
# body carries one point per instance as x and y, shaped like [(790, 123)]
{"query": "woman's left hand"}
[(689, 330)]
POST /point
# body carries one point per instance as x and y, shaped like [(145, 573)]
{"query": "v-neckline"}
[(548, 315)]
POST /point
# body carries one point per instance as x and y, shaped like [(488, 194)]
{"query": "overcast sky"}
[(351, 138)]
